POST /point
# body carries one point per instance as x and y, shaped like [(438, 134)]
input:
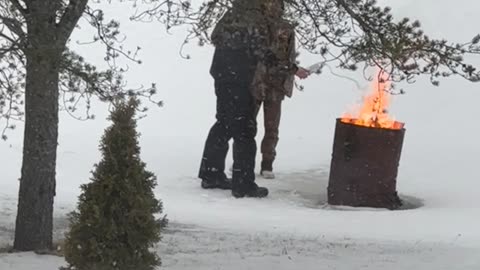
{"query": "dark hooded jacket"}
[(243, 38)]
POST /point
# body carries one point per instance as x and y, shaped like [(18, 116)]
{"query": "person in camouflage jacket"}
[(242, 40), (271, 84)]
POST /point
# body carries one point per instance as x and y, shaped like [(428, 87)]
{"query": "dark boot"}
[(266, 170), (251, 190), (220, 183), (266, 165)]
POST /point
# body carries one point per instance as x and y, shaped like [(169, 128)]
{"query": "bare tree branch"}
[(19, 7), (13, 25)]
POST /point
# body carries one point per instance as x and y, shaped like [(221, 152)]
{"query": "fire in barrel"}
[(366, 154)]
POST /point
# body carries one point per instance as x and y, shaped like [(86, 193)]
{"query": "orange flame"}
[(373, 112)]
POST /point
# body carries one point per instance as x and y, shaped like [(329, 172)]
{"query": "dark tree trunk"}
[(47, 35), (34, 222)]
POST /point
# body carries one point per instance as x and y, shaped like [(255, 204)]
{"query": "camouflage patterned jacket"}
[(274, 82)]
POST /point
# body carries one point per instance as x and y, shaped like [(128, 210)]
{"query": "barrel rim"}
[(339, 121)]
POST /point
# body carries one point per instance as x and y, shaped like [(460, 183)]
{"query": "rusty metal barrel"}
[(364, 166)]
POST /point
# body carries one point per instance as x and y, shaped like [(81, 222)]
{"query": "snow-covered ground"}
[(293, 228)]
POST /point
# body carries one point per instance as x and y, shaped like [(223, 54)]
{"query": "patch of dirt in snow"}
[(309, 189)]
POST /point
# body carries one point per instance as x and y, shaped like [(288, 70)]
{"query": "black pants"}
[(235, 119)]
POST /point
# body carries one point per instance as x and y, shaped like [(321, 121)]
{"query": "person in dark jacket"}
[(242, 40)]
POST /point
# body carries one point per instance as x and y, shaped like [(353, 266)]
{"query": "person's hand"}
[(302, 73)]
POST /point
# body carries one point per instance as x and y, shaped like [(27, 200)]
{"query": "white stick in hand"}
[(316, 68)]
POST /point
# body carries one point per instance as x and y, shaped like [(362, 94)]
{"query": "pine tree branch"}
[(358, 19), (318, 28)]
